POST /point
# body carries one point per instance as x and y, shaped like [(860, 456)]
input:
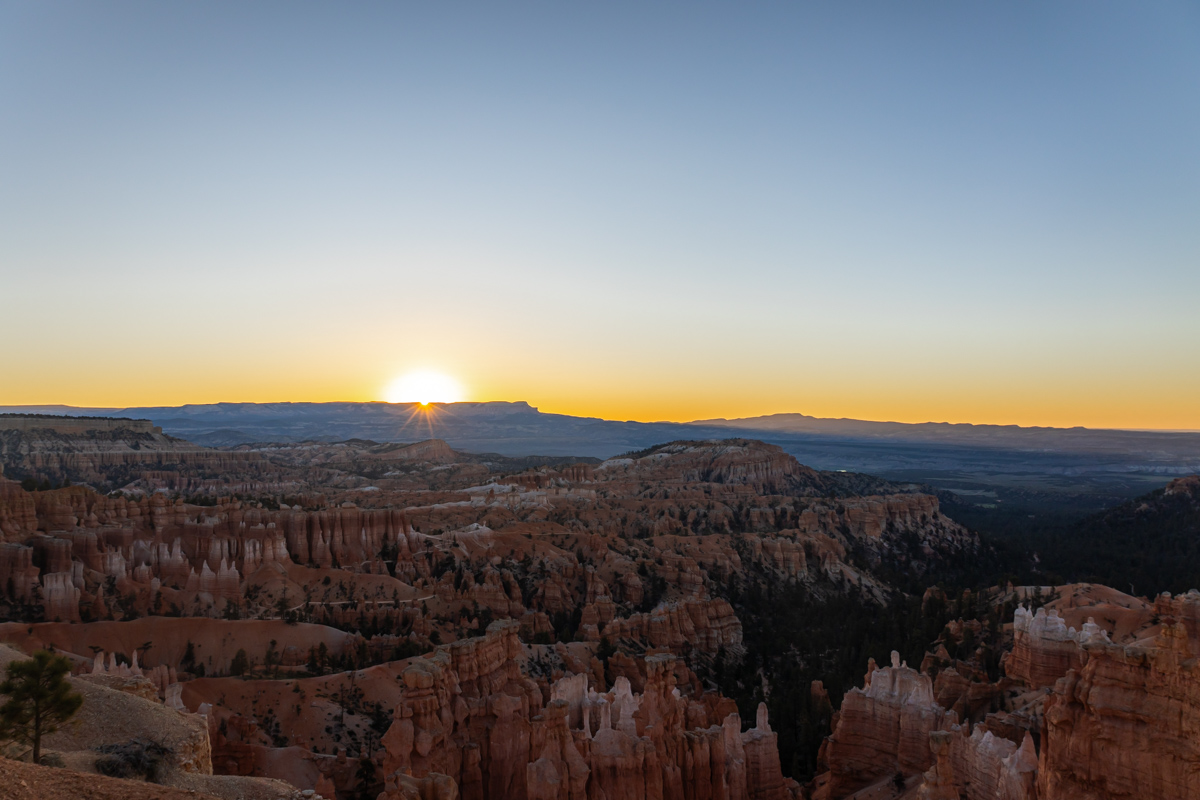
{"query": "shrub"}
[(133, 759)]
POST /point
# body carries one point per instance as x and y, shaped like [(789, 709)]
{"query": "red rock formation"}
[(86, 448), (535, 548), (979, 767), (18, 511), (1126, 725), (764, 778), (433, 786), (988, 767), (468, 693), (939, 781), (1121, 723), (557, 771), (60, 597), (1044, 648), (213, 642), (707, 625), (18, 575), (884, 728), (1184, 608), (468, 713), (733, 461)]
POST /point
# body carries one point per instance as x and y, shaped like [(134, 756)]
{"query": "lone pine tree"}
[(39, 699)]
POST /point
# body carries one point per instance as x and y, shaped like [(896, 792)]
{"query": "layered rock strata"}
[(469, 714), (1045, 649), (883, 728), (1126, 725)]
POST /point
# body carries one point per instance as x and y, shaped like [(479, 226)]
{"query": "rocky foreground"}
[(363, 620), (1078, 714)]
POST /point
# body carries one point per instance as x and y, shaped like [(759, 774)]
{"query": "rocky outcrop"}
[(18, 575), (433, 786), (1125, 725), (207, 553), (1045, 649), (993, 768), (468, 713), (203, 558), (18, 511), (431, 451), (1120, 722), (764, 777), (1183, 608), (707, 625), (112, 716), (732, 461), (939, 781), (60, 597), (182, 644), (88, 449), (979, 767), (884, 728)]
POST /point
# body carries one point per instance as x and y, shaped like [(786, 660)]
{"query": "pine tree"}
[(241, 664), (39, 699)]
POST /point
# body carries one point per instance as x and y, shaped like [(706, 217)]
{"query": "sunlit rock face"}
[(1126, 725)]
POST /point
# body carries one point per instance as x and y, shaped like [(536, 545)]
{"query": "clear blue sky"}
[(968, 211)]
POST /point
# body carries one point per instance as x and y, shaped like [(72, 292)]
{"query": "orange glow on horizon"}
[(649, 407), (1149, 395)]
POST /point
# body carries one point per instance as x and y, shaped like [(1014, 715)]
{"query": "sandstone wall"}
[(1044, 648), (884, 728), (1126, 725)]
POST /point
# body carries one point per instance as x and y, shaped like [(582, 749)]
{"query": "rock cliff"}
[(96, 449), (883, 728), (1083, 717), (1127, 724)]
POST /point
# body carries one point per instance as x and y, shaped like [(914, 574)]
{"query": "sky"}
[(964, 212)]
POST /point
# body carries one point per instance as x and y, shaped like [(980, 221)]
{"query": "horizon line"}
[(711, 420)]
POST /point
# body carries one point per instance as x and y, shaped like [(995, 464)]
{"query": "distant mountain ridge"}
[(508, 428), (960, 432), (910, 451)]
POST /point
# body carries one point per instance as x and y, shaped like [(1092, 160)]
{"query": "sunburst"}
[(424, 387)]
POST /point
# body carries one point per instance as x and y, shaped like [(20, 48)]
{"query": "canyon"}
[(358, 619)]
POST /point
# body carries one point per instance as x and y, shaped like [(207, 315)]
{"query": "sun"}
[(424, 387)]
